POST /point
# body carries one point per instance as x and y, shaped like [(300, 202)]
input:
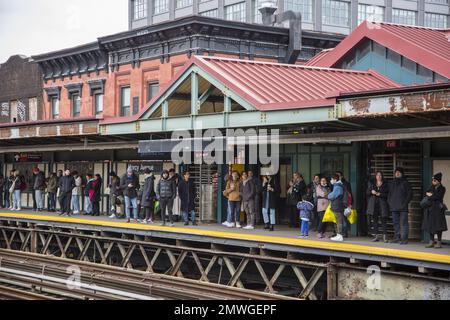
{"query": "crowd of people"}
[(306, 204)]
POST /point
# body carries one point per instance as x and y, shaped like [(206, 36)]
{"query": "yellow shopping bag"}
[(353, 216), (329, 216)]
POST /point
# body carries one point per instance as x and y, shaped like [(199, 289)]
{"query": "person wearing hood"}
[(95, 195), (166, 193), (305, 208), (186, 191), (337, 206), (377, 206), (148, 196), (129, 184), (434, 221), (400, 194)]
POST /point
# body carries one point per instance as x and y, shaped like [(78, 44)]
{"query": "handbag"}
[(13, 186)]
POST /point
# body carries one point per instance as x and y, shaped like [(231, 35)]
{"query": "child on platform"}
[(305, 208)]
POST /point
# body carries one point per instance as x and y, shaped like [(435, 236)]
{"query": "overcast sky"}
[(30, 27)]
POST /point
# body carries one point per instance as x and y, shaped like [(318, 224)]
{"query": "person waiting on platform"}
[(258, 189), (38, 188), (322, 191), (186, 191), (66, 185), (337, 206), (76, 193), (87, 190), (248, 193), (400, 194), (18, 185), (52, 189), (233, 193), (296, 189), (114, 186), (348, 202), (305, 209), (129, 184), (434, 221), (8, 194), (148, 196), (377, 206), (2, 188), (271, 191), (166, 193), (95, 195)]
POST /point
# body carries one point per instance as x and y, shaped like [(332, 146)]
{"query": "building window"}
[(76, 105), (305, 7), (336, 13), (434, 20), (98, 103), (437, 1), (370, 13), (140, 9), (125, 101), (153, 88), (214, 13), (404, 16), (235, 12), (55, 107), (183, 3), (161, 6)]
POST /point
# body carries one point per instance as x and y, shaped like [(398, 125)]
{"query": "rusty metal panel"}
[(375, 284), (405, 103)]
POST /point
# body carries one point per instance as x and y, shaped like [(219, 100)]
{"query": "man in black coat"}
[(129, 184), (186, 191), (166, 193), (271, 192), (400, 194), (66, 185)]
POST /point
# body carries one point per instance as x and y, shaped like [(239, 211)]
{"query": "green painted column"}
[(355, 180), (219, 193), (427, 173)]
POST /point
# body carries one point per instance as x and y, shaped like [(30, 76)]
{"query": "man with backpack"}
[(347, 200)]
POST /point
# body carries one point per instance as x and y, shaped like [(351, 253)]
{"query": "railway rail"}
[(49, 275)]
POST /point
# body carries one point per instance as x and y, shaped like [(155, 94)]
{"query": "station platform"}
[(283, 239)]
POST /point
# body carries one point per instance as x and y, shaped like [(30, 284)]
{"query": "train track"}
[(48, 276)]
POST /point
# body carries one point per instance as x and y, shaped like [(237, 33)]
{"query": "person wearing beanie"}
[(129, 184), (166, 193), (434, 221), (399, 197), (148, 196)]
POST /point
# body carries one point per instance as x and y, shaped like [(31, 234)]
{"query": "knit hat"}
[(438, 177), (130, 170), (147, 171), (401, 170)]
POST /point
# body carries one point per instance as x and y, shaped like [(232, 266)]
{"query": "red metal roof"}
[(318, 57), (425, 46), (274, 86)]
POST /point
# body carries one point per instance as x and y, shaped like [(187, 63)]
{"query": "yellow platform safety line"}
[(341, 246)]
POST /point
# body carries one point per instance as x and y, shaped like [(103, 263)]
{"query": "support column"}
[(194, 98), (165, 114), (226, 113), (427, 173)]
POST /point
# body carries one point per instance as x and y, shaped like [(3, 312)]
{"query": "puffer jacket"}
[(166, 189), (305, 208), (336, 196), (148, 192), (322, 197)]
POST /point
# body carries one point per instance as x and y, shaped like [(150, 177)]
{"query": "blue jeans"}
[(400, 219), (269, 219), (87, 204), (51, 201), (39, 195), (305, 228), (186, 216), (76, 203), (131, 202), (345, 224), (16, 199), (234, 212)]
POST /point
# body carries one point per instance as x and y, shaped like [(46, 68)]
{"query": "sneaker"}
[(238, 225), (230, 225), (10, 208), (19, 209), (249, 228), (163, 224), (338, 238), (225, 223), (395, 241), (75, 212), (112, 216), (172, 225), (150, 221), (403, 242)]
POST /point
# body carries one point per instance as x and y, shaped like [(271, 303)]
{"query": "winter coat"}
[(271, 196), (375, 203), (336, 196), (186, 192), (39, 181), (114, 186), (9, 183), (88, 188), (76, 191), (248, 190), (19, 183), (66, 184), (126, 180), (95, 194), (297, 191), (233, 195), (166, 189), (434, 220), (2, 184), (305, 208), (52, 185), (400, 194), (322, 197), (148, 192)]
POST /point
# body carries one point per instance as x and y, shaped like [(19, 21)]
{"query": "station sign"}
[(27, 157), (139, 167)]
